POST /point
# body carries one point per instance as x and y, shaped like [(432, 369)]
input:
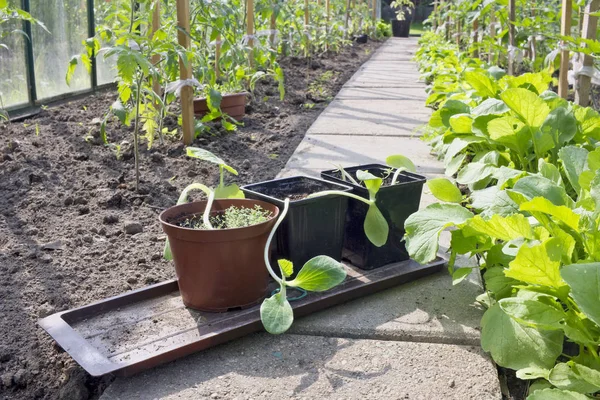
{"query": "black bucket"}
[(396, 203), (312, 227)]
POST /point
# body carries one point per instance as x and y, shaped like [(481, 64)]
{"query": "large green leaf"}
[(549, 171), (444, 190), (561, 125), (534, 312), (590, 122), (400, 161), (490, 107), (572, 376), (538, 265), (556, 394), (574, 160), (561, 214), (482, 84), (376, 227), (423, 229), (516, 346), (510, 132), (475, 172), (452, 107), (527, 105), (319, 274), (276, 314), (504, 228), (538, 186), (584, 280), (229, 192), (493, 201), (461, 123)]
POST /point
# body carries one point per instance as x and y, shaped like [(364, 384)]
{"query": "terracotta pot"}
[(233, 105), (223, 269)]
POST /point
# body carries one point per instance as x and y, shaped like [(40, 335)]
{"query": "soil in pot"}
[(313, 226), (222, 269), (395, 202)]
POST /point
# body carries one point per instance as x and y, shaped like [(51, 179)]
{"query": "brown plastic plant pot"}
[(233, 105), (223, 269)]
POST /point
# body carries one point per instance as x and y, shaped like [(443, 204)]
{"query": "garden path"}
[(416, 341)]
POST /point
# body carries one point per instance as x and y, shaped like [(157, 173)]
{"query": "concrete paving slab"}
[(390, 78), (416, 94), (418, 312), (375, 117), (318, 152), (312, 367)]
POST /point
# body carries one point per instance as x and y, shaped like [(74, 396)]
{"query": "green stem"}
[(206, 215), (396, 175), (136, 150), (340, 193), (286, 206)]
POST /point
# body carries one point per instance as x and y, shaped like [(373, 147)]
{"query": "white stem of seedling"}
[(396, 175), (340, 193), (206, 215), (286, 206)]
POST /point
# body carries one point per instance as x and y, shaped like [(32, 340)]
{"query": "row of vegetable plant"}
[(529, 164)]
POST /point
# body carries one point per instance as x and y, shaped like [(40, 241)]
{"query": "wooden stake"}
[(374, 14), (492, 34), (512, 11), (218, 56), (435, 15), (589, 29), (185, 72), (272, 27), (306, 22), (328, 18), (475, 38), (156, 57), (347, 21), (565, 29), (250, 29)]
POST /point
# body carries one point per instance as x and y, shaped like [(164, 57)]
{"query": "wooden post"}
[(492, 34), (156, 57), (346, 23), (475, 38), (458, 32), (374, 14), (250, 29), (306, 22), (185, 72), (435, 18), (328, 18), (272, 27), (565, 29), (512, 11), (589, 28)]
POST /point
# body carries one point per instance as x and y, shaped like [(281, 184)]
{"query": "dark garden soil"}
[(73, 230)]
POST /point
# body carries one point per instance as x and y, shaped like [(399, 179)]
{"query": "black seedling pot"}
[(396, 203), (312, 227)]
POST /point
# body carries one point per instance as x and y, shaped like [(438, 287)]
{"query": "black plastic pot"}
[(312, 227), (396, 203), (402, 28)]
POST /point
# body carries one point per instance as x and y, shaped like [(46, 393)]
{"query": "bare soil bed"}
[(73, 230)]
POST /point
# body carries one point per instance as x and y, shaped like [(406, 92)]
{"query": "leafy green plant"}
[(319, 274), (222, 191), (231, 218)]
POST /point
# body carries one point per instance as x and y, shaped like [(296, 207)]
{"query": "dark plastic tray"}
[(147, 327), (312, 227), (396, 203)]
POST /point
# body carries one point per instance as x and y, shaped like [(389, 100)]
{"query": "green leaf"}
[(71, 69), (276, 314), (490, 107), (372, 182), (498, 283), (549, 171), (527, 105), (493, 201), (538, 265), (584, 280), (444, 190), (286, 266), (376, 227), (120, 112), (482, 84), (461, 123), (537, 186), (566, 376), (504, 228), (319, 274), (423, 229), (205, 155), (534, 313), (574, 160), (452, 107), (515, 346), (510, 132), (561, 125), (460, 275), (560, 213), (532, 373), (400, 161), (556, 394), (229, 192), (3, 4), (474, 172)]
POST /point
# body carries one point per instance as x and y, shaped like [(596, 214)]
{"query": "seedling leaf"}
[(276, 314), (286, 266), (319, 274)]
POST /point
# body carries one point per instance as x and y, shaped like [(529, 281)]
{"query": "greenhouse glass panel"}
[(13, 64), (67, 22), (105, 67)]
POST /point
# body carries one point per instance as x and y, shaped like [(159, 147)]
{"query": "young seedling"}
[(375, 226), (319, 274), (222, 191)]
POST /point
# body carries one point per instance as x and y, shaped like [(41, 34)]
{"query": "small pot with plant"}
[(401, 24), (214, 105), (314, 226), (217, 245), (384, 195)]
